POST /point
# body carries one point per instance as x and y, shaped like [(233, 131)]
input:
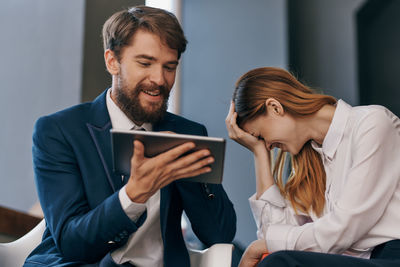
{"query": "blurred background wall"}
[(52, 58), (226, 39), (41, 50)]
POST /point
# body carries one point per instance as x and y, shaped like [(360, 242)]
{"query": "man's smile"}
[(152, 93)]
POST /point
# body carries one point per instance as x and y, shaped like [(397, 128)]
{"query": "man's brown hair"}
[(119, 29)]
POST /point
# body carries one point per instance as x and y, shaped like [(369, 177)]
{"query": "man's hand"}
[(253, 254), (150, 174)]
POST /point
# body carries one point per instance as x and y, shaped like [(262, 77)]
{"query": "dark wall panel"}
[(322, 45), (95, 77), (378, 24)]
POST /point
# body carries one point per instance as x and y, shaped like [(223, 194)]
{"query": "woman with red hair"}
[(339, 205)]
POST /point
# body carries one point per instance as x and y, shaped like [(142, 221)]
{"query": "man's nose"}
[(157, 76)]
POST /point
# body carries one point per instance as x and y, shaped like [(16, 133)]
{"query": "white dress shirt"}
[(145, 246), (361, 157)]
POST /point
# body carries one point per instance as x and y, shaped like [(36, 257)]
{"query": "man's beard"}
[(128, 101)]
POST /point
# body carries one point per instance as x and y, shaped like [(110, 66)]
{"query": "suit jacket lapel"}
[(167, 124), (99, 127)]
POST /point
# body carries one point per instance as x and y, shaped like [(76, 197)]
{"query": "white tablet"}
[(158, 142)]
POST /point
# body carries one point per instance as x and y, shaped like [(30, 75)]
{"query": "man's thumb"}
[(138, 151)]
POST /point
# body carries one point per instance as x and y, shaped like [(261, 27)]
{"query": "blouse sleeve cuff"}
[(132, 209), (272, 195), (285, 237), (277, 237)]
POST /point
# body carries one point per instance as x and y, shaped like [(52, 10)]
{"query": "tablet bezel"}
[(158, 142)]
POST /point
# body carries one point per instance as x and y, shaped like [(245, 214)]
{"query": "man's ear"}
[(274, 106), (112, 62)]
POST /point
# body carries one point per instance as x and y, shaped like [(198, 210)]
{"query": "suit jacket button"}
[(211, 196)]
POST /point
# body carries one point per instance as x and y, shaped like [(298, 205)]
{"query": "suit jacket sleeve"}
[(81, 233)]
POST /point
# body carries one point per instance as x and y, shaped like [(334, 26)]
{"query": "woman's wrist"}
[(264, 178), (260, 151)]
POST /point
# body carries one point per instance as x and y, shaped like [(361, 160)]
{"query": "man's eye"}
[(144, 64), (260, 137), (168, 68)]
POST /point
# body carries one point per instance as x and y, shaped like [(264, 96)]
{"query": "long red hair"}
[(305, 187)]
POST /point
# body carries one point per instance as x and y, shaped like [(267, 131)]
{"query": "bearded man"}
[(95, 217)]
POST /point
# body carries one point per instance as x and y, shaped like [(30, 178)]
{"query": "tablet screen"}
[(159, 142)]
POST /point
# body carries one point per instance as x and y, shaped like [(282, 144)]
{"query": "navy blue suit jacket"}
[(78, 192)]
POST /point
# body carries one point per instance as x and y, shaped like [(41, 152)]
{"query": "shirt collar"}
[(335, 132), (118, 118)]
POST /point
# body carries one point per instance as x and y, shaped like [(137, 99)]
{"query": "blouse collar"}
[(335, 132)]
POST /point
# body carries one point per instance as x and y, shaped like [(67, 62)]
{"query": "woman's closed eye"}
[(259, 137)]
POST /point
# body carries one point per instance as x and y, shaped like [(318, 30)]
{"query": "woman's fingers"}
[(239, 135), (231, 108), (230, 113), (235, 132), (231, 125), (253, 254)]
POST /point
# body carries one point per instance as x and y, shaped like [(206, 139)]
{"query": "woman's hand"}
[(253, 254), (235, 133), (262, 157)]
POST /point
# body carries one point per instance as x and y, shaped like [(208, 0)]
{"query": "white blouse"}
[(361, 157)]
